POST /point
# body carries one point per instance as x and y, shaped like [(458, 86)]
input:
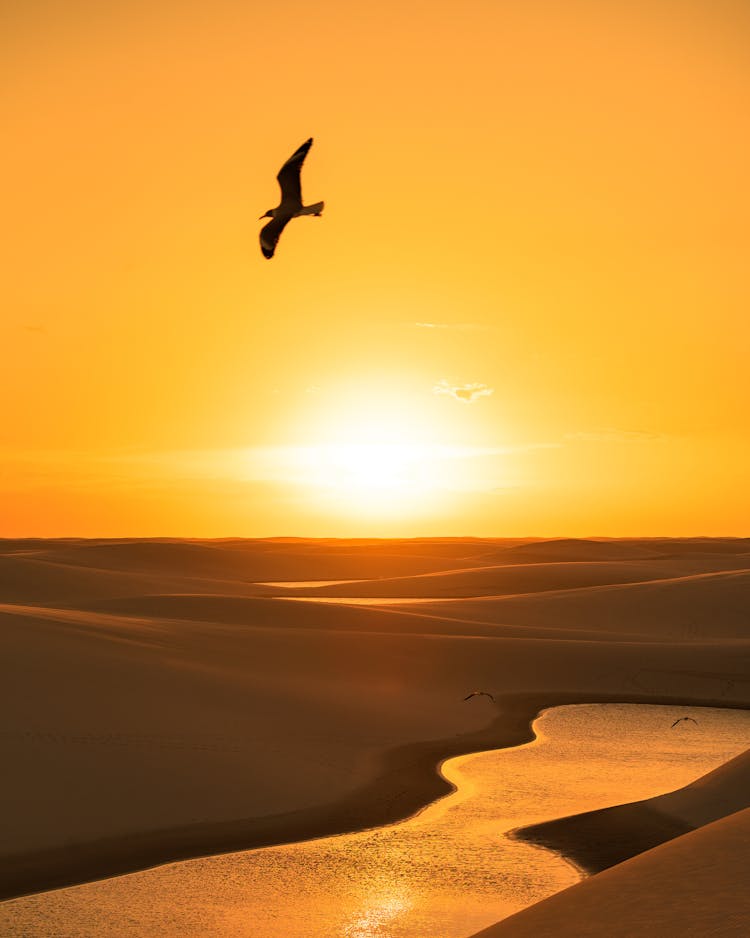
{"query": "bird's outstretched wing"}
[(270, 234), (676, 722), (291, 188)]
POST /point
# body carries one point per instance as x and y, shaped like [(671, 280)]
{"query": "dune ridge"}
[(693, 886), (159, 703), (598, 840)]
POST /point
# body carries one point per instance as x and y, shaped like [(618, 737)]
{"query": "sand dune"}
[(155, 705), (493, 580), (579, 550), (714, 545), (652, 884), (261, 560), (692, 608), (31, 572), (597, 840), (721, 792), (27, 579), (496, 580), (694, 886), (713, 906), (263, 612)]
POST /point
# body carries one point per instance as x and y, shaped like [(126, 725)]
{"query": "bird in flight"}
[(682, 720), (290, 205), (480, 693)]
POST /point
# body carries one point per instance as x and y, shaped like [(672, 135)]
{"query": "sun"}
[(380, 466), (372, 477), (369, 478), (366, 451), (371, 458)]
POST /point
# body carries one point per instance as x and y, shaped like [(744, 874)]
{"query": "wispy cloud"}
[(612, 435), (468, 393)]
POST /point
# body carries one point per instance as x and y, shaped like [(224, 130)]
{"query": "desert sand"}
[(160, 702), (693, 886), (597, 840)]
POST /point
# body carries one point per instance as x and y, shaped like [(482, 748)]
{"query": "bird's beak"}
[(263, 216)]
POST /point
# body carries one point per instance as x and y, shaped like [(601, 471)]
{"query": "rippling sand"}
[(160, 703)]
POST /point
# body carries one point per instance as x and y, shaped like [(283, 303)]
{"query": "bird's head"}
[(268, 214)]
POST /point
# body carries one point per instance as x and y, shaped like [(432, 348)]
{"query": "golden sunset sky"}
[(525, 310)]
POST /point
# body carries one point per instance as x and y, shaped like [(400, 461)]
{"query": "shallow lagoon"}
[(448, 871)]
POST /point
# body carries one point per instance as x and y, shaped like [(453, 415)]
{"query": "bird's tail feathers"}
[(316, 209)]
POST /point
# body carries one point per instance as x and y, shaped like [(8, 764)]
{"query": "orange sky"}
[(548, 201)]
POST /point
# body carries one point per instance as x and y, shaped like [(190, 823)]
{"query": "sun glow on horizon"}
[(570, 359), (371, 478), (375, 451)]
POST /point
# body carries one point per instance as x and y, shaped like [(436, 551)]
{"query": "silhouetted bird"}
[(682, 720), (480, 693), (290, 205)]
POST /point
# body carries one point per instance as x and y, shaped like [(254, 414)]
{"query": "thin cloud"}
[(468, 393)]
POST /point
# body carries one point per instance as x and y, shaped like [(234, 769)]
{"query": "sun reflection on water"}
[(448, 871), (381, 909)]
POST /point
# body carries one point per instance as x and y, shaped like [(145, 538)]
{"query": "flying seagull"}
[(682, 720), (480, 693), (290, 205)]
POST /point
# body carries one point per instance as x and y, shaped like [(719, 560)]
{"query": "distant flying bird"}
[(290, 205), (480, 693), (682, 720)]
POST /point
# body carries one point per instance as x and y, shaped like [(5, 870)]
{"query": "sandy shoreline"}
[(692, 886), (604, 838), (597, 840), (672, 864), (158, 704), (409, 780)]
